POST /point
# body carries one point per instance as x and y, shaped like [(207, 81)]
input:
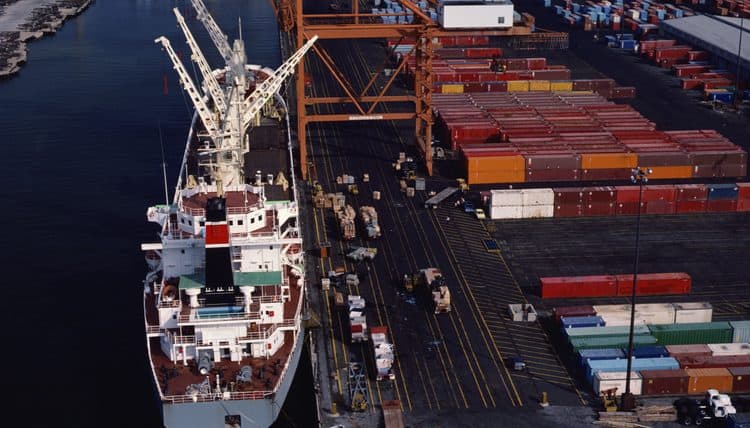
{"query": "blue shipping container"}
[(638, 364), (723, 97), (575, 322), (722, 191), (600, 354), (627, 44), (650, 351)]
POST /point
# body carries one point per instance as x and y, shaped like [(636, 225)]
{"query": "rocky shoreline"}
[(46, 19)]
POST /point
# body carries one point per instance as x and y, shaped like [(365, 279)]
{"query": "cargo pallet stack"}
[(678, 350)]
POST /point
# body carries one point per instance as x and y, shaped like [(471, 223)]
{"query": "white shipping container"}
[(655, 313), (538, 211), (538, 197), (612, 320), (506, 212), (693, 312), (612, 309), (486, 15), (608, 380), (729, 349), (503, 198)]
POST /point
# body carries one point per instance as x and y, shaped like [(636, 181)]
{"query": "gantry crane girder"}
[(356, 25)]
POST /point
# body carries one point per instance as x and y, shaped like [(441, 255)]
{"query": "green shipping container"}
[(610, 342), (619, 330), (692, 333)]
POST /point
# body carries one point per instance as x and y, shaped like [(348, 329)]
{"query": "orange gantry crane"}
[(370, 104)]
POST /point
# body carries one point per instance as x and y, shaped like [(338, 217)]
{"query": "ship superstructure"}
[(224, 296)]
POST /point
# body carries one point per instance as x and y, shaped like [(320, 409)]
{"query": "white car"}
[(480, 214)]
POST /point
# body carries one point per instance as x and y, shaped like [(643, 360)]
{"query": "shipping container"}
[(609, 380), (740, 331), (729, 349), (654, 284), (506, 197), (537, 211), (605, 331), (537, 197), (722, 191), (599, 354), (740, 379), (701, 380), (692, 333), (578, 286), (649, 351), (693, 312), (697, 350), (608, 160), (616, 342), (573, 311), (665, 382), (506, 212), (576, 322), (596, 366)]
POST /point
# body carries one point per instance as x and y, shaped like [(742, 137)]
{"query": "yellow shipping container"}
[(563, 85), (608, 160), (518, 85), (671, 172), (539, 85), (453, 88), (496, 169)]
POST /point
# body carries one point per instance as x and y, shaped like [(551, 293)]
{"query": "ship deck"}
[(451, 368)]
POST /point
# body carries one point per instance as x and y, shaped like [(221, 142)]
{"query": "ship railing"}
[(169, 304), (195, 212), (208, 318), (153, 329), (244, 395)]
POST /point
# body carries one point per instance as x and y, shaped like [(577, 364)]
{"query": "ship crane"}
[(187, 83), (209, 80), (219, 38), (266, 89)]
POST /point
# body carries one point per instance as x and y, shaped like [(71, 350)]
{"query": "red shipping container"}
[(743, 197), (605, 173), (659, 192), (741, 381), (691, 206), (579, 286), (627, 194), (658, 207), (599, 195), (599, 210), (573, 311), (688, 84), (721, 205), (691, 192), (664, 382), (654, 284), (546, 175), (571, 210), (626, 208), (689, 350), (568, 195)]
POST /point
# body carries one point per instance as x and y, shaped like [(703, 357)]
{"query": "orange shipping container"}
[(671, 172), (714, 378), (496, 169), (609, 160)]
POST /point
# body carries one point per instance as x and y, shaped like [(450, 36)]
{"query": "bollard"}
[(543, 402), (334, 411)]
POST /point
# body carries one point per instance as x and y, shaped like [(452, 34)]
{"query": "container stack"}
[(383, 352), (526, 203), (357, 319), (655, 199), (639, 16), (736, 8), (648, 284), (670, 356), (572, 136)]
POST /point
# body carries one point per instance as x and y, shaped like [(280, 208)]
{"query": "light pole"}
[(737, 90), (639, 176)]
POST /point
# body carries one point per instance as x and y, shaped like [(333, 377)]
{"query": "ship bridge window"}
[(252, 220), (240, 222), (231, 222), (202, 223)]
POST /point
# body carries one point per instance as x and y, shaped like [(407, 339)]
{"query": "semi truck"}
[(346, 218), (433, 279), (383, 352), (357, 319), (370, 219)]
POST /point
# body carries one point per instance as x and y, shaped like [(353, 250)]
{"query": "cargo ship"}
[(225, 291)]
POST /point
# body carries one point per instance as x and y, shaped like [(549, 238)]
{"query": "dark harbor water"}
[(79, 129)]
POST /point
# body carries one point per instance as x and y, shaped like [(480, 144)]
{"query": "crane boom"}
[(208, 77), (219, 38), (266, 89), (200, 105)]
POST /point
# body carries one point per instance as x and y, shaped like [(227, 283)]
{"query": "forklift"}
[(609, 399)]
